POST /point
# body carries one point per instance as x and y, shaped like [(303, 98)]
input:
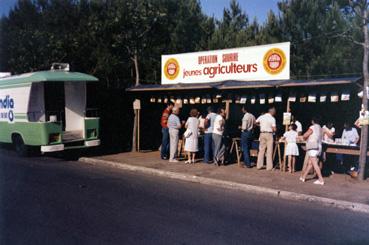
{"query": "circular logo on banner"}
[(171, 69), (274, 61)]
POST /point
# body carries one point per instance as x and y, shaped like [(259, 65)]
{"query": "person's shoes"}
[(302, 179), (164, 158), (318, 182), (188, 162), (173, 160), (193, 162)]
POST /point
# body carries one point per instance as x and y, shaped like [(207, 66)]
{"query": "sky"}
[(254, 8)]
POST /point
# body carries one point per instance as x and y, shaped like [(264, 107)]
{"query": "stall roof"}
[(245, 85)]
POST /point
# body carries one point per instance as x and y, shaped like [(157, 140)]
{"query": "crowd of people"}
[(212, 127)]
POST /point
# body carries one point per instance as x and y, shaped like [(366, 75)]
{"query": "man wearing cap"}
[(267, 125)]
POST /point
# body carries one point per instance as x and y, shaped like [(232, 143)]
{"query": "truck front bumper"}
[(92, 143), (52, 148), (62, 147)]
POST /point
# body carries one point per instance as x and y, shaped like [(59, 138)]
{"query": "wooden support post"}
[(136, 122), (227, 109), (138, 129), (134, 142), (288, 109), (284, 163), (238, 154)]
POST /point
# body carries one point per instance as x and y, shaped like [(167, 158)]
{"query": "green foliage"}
[(102, 37), (314, 28)]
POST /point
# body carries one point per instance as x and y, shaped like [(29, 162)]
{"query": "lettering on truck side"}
[(6, 109)]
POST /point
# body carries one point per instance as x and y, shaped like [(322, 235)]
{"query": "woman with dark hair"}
[(313, 139), (192, 136)]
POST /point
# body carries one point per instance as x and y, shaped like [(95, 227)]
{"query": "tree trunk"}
[(364, 129), (135, 62)]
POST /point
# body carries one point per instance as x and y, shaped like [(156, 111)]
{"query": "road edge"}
[(352, 206)]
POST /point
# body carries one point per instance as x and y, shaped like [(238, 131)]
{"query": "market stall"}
[(184, 83)]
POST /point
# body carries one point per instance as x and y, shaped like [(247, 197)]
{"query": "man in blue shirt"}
[(208, 137)]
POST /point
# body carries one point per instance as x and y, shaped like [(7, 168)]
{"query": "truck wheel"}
[(20, 147)]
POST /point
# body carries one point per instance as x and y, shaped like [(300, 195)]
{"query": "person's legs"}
[(289, 163), (269, 153), (164, 143), (262, 147), (171, 144), (193, 157), (339, 159), (245, 140), (216, 141), (221, 152), (212, 147), (173, 134), (314, 163), (307, 170), (188, 157), (305, 163), (208, 145), (293, 163)]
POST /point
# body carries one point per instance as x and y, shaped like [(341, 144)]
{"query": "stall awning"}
[(225, 85)]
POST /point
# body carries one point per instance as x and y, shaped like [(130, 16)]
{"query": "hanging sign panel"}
[(258, 63)]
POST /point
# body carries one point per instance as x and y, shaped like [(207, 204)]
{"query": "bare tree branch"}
[(349, 37)]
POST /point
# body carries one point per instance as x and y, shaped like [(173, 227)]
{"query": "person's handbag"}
[(187, 133)]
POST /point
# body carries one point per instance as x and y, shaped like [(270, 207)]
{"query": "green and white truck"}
[(47, 109)]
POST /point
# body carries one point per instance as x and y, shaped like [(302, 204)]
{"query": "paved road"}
[(45, 200)]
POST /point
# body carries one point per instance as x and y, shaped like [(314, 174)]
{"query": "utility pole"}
[(364, 128), (360, 9)]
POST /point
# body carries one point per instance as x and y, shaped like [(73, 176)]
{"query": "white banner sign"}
[(258, 63)]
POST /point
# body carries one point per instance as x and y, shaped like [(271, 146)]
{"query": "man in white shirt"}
[(248, 123), (208, 136), (174, 125), (218, 130), (268, 126), (350, 135)]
